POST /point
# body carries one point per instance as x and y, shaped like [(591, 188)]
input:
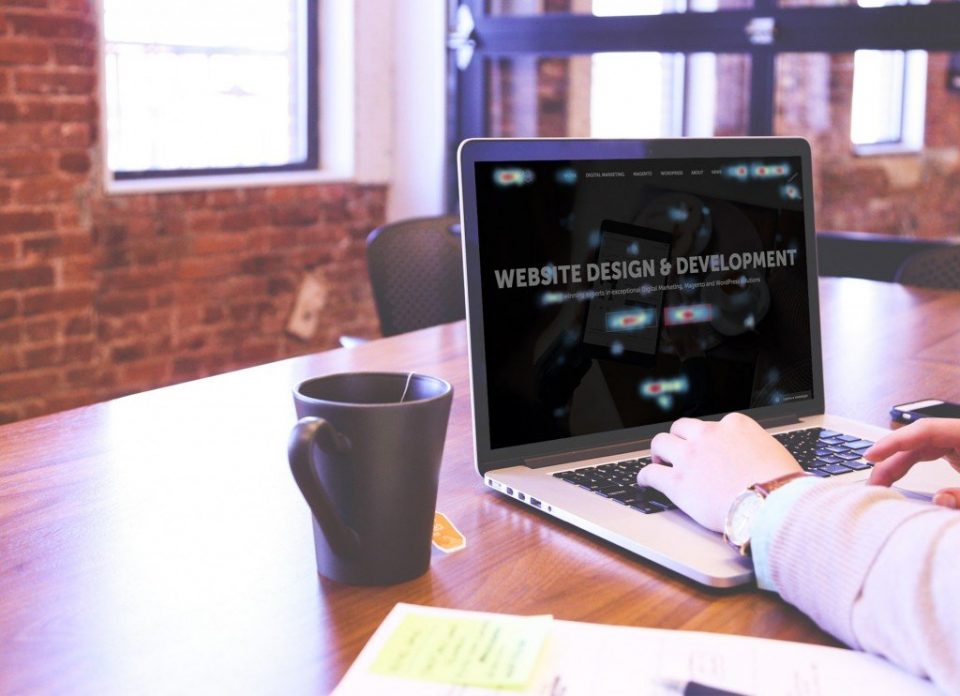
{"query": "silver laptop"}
[(614, 286)]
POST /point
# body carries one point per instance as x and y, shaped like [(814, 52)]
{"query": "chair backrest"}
[(934, 268), (416, 271)]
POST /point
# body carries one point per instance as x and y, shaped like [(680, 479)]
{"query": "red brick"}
[(123, 303), (27, 111), (78, 351), (243, 220), (78, 326), (128, 353), (57, 300), (73, 135), (257, 353), (23, 52), (18, 165), (299, 215), (212, 243), (75, 162), (10, 335), (41, 330), (76, 270), (8, 307), (56, 27), (46, 356), (45, 190), (152, 373), (83, 55), (19, 386), (82, 377), (82, 6), (137, 278), (195, 269), (28, 277), (8, 250), (79, 111), (45, 82), (27, 221)]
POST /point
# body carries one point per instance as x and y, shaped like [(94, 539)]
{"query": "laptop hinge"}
[(591, 453), (777, 421)]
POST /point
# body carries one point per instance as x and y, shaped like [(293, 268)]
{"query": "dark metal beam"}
[(807, 29)]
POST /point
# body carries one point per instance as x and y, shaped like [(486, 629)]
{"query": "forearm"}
[(876, 570)]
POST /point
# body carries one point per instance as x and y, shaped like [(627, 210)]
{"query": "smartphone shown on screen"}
[(624, 310), (928, 408)]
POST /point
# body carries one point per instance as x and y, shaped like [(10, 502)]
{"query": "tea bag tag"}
[(446, 537)]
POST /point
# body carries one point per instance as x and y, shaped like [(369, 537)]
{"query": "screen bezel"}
[(552, 149)]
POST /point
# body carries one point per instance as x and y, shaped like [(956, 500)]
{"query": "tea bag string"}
[(406, 387)]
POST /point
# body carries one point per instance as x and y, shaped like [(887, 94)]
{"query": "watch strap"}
[(765, 489)]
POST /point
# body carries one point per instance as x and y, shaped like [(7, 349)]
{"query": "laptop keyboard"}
[(826, 452), (821, 452)]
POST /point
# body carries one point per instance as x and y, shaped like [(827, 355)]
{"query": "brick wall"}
[(909, 195), (105, 295)]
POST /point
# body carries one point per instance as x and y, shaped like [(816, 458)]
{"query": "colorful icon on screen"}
[(761, 170), (687, 314), (663, 390), (790, 191), (566, 176), (633, 319), (740, 172), (549, 298), (512, 177)]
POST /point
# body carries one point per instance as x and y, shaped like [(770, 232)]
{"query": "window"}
[(889, 94), (202, 87)]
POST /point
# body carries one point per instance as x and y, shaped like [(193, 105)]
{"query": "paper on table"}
[(582, 658), (486, 650)]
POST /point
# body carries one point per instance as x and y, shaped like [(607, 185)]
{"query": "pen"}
[(692, 688)]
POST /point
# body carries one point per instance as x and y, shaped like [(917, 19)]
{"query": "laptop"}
[(614, 286)]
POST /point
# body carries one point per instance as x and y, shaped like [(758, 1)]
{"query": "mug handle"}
[(343, 539)]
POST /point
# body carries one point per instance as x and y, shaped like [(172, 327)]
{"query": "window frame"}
[(809, 29), (302, 171)]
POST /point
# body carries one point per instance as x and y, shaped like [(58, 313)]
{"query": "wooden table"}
[(157, 543)]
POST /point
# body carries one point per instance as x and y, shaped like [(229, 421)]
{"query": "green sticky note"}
[(495, 652)]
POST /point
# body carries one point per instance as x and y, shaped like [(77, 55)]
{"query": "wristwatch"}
[(738, 525)]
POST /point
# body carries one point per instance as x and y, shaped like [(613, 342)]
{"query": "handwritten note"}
[(496, 651)]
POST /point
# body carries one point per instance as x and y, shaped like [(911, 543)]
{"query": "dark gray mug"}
[(366, 455)]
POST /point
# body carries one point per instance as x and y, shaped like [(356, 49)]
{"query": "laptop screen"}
[(627, 293)]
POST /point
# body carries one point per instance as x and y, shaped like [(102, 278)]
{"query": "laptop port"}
[(536, 503), (521, 496), (509, 490)]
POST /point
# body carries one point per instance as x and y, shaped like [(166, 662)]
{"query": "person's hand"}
[(713, 462), (923, 440)]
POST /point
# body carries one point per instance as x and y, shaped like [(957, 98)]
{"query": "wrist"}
[(744, 509)]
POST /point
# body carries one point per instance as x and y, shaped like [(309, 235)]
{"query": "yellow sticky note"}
[(495, 652)]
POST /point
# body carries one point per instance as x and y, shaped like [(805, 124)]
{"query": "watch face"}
[(740, 519)]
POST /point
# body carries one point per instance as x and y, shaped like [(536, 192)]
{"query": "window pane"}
[(910, 194), (204, 84), (611, 8), (619, 95), (878, 92)]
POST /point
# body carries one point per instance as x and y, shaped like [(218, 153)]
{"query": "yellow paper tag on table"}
[(446, 537), (494, 652)]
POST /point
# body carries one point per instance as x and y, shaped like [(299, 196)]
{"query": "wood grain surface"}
[(158, 544)]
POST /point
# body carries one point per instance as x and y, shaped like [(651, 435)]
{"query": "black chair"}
[(869, 255), (934, 268), (416, 271)]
